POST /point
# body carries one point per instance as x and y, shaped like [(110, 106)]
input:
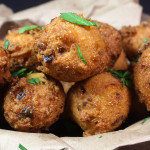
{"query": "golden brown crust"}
[(22, 49), (121, 62), (132, 38), (2, 43), (5, 75), (59, 41), (112, 38), (30, 107), (99, 104), (142, 77)]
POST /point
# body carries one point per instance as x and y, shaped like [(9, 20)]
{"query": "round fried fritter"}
[(5, 75), (99, 104), (133, 38), (59, 56), (22, 49), (33, 107), (142, 77), (121, 62)]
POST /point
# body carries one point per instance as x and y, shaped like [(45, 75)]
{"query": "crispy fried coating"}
[(5, 75), (2, 43), (22, 49), (121, 62), (59, 56), (33, 107), (112, 38), (132, 38), (142, 77), (99, 104)]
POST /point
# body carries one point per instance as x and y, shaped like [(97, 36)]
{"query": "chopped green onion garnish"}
[(27, 28), (19, 73), (100, 136), (80, 55), (71, 17), (6, 44), (144, 120), (22, 73), (124, 75), (22, 147), (145, 40), (34, 80)]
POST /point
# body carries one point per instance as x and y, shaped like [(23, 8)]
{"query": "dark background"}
[(18, 5)]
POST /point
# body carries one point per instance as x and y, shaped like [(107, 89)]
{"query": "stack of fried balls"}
[(73, 68)]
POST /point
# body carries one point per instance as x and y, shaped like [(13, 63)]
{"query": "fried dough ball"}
[(33, 107), (5, 75), (133, 38), (59, 56), (121, 63), (22, 49), (99, 104), (142, 77)]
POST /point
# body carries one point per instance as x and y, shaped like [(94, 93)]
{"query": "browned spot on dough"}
[(79, 107), (84, 104), (89, 99)]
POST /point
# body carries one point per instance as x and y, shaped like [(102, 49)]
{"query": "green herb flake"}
[(19, 73), (22, 73), (124, 75), (144, 120), (80, 55), (6, 44), (100, 137), (71, 17), (145, 40), (22, 147), (27, 28), (34, 80), (136, 59)]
